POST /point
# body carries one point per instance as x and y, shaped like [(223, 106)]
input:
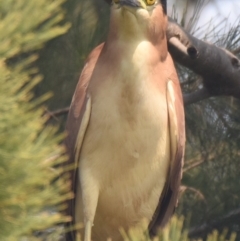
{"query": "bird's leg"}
[(90, 192), (89, 209), (88, 229)]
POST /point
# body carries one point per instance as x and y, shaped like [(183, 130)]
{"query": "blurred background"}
[(210, 192)]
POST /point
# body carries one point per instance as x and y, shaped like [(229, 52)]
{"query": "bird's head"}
[(133, 20)]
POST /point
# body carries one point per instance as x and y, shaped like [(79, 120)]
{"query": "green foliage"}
[(30, 192), (27, 25), (174, 231)]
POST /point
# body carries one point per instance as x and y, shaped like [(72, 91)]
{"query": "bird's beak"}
[(133, 3)]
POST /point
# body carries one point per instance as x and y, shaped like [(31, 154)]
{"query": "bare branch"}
[(218, 67), (196, 96), (198, 193), (59, 112), (196, 164), (55, 113), (207, 227), (201, 158)]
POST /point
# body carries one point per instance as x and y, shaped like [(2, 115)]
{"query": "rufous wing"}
[(176, 125), (77, 122)]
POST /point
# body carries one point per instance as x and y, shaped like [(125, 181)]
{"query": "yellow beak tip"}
[(143, 4)]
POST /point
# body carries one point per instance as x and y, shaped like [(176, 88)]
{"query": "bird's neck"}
[(125, 38), (127, 46)]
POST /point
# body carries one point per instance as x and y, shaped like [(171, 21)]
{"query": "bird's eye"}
[(116, 1), (150, 2)]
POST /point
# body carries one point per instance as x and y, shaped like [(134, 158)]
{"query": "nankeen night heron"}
[(126, 128)]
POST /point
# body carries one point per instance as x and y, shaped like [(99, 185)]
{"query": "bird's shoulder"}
[(76, 115), (77, 105), (81, 89), (176, 122)]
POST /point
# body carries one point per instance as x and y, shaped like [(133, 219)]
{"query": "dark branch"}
[(196, 96), (207, 227), (219, 69), (196, 164), (194, 190), (56, 113), (60, 111)]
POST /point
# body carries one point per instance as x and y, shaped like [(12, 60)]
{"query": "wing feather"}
[(176, 122), (77, 122)]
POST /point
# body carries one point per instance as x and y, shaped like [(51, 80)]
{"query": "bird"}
[(126, 127)]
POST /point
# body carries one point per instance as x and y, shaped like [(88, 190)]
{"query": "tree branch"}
[(196, 96), (207, 227), (194, 190), (59, 112), (55, 113), (218, 67)]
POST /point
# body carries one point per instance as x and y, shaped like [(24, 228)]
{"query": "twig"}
[(207, 227), (196, 191), (59, 112), (196, 164), (219, 68), (196, 96)]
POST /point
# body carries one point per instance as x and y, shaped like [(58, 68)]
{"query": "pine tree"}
[(30, 191)]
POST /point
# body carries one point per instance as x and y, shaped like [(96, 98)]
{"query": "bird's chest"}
[(126, 147), (131, 118), (129, 123), (130, 104), (128, 126)]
